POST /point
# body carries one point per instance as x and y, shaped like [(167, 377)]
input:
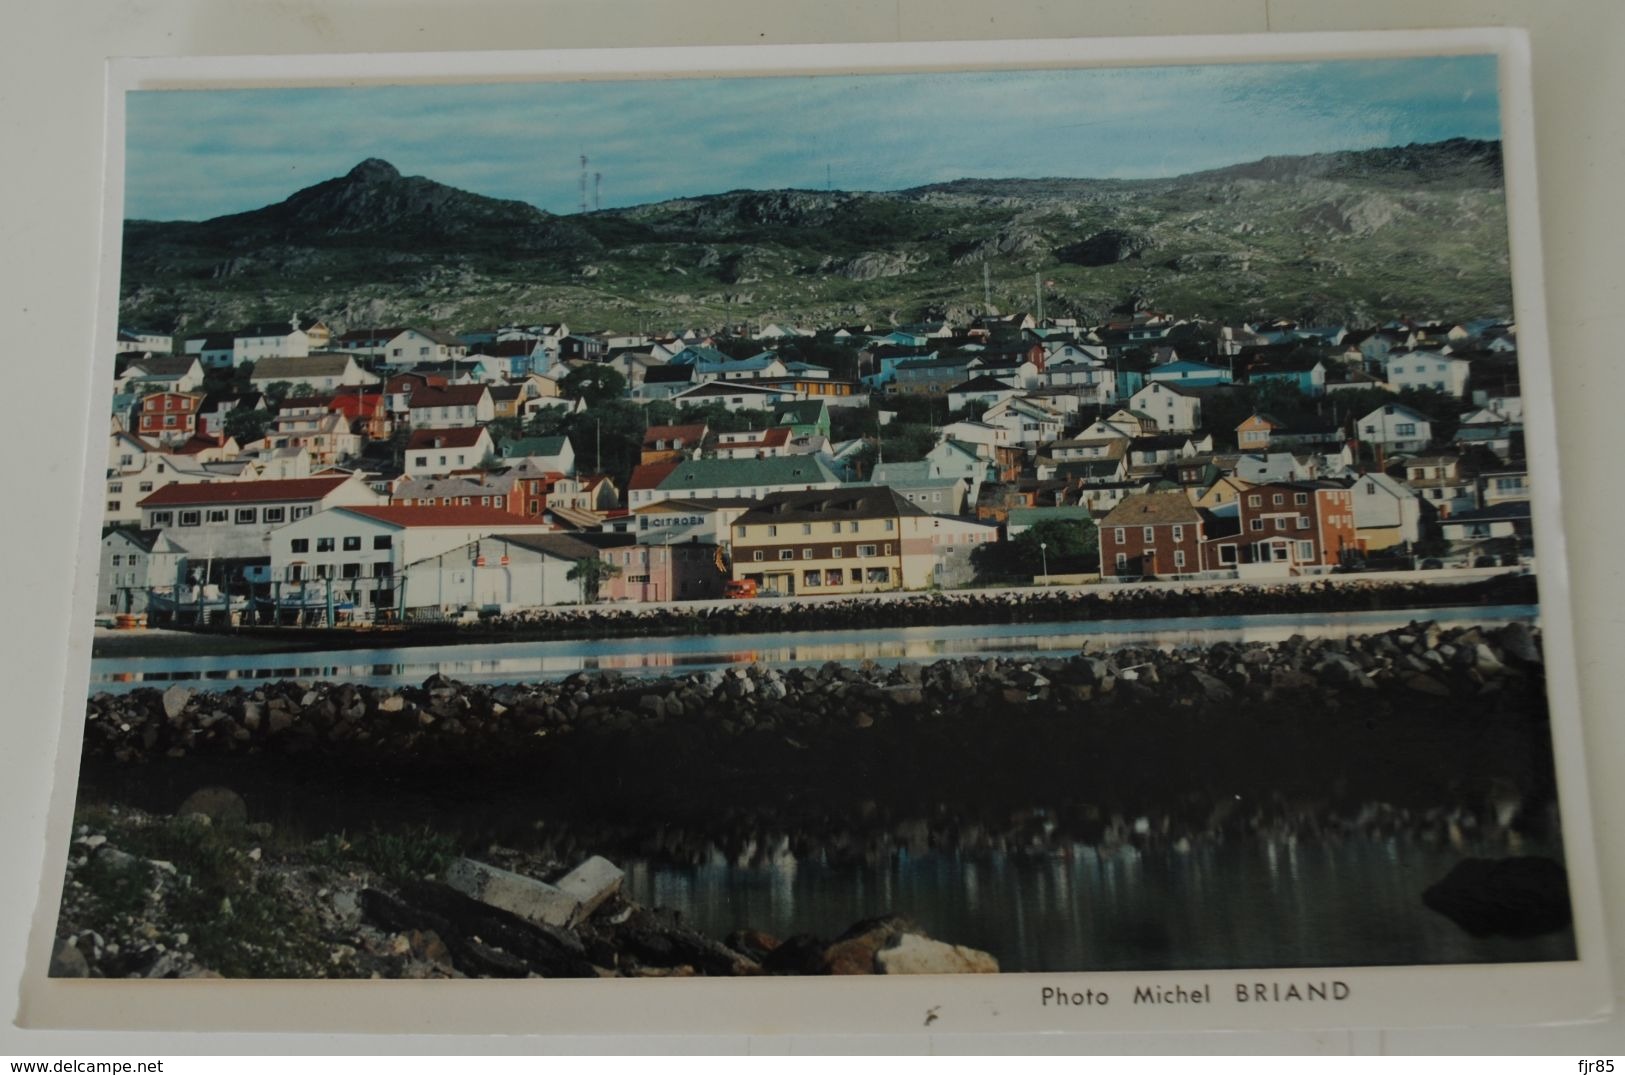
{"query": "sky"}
[(196, 154)]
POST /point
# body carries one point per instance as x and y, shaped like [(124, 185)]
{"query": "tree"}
[(247, 424), (302, 390), (592, 573), (277, 391), (1060, 541), (594, 384)]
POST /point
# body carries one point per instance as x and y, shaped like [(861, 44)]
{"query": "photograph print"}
[(980, 521)]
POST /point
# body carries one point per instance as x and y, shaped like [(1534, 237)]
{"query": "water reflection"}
[(1254, 903), (517, 661)]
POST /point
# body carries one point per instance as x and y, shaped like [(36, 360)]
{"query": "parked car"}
[(742, 589)]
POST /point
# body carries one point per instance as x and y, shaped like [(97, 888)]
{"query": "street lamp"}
[(1043, 552)]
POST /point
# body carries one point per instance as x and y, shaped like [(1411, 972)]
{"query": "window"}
[(772, 531), (297, 545), (1119, 535), (274, 515), (1227, 554), (1148, 533), (1179, 533), (787, 554), (891, 524), (806, 528), (1255, 501), (246, 515), (216, 515), (115, 487), (191, 518), (1306, 550), (1300, 498), (866, 550), (835, 553), (757, 555), (1280, 522), (163, 518), (1405, 429), (352, 543), (421, 461), (300, 513), (852, 528), (381, 541), (1303, 522), (1179, 557), (1278, 499), (812, 578), (352, 571), (1257, 524), (324, 544), (117, 559)]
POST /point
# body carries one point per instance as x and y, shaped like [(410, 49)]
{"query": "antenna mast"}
[(597, 190), (583, 183), (987, 288)]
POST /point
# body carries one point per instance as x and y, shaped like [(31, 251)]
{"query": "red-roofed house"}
[(441, 451), (454, 405), (232, 519), (642, 486), (663, 444), (754, 443)]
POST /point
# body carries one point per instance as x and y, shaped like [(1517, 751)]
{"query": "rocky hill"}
[(1418, 230)]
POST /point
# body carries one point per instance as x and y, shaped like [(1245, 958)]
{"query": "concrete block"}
[(516, 893), (591, 883)]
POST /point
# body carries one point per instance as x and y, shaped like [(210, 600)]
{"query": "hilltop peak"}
[(373, 170)]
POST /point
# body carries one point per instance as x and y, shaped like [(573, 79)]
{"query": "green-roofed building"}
[(754, 478), (805, 417), (1021, 519)]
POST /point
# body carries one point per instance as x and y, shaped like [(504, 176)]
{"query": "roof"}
[(166, 365), (1511, 509), (719, 473), (984, 383), (457, 395), (403, 515), (678, 374), (799, 411), (849, 502), (688, 434), (254, 492), (279, 368), (1151, 509), (727, 388), (707, 503), (466, 437), (563, 546), (537, 446), (1032, 516)]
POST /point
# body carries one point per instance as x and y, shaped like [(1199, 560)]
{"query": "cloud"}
[(198, 153)]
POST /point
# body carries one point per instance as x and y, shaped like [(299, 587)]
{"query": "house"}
[(924, 483), (658, 571), (168, 418), (954, 542), (1306, 373), (1427, 369), (323, 373), (1287, 528), (169, 373), (1444, 482), (1172, 408), (391, 559), (441, 451), (752, 443), (983, 436), (1151, 534), (670, 443), (835, 541), (1394, 427), (134, 562), (950, 458), (310, 426), (733, 395), (708, 479), (231, 520), (1190, 374), (682, 519), (452, 406), (1507, 521), (143, 341), (981, 391), (402, 347), (664, 382), (1496, 487), (933, 375), (805, 418), (554, 453), (1387, 513), (274, 339), (1029, 422), (217, 407)]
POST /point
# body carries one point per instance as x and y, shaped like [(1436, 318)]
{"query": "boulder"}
[(1516, 897), (220, 805), (67, 961), (530, 899), (913, 953), (175, 699), (1519, 643)]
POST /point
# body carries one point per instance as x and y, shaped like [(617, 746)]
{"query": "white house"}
[(132, 561), (1174, 410), (1394, 427), (372, 552), (953, 542), (453, 406), (441, 451), (231, 520), (734, 395), (1029, 422), (324, 373), (714, 479), (1386, 512), (1427, 369), (272, 339)]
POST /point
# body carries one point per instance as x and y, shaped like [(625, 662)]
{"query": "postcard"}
[(1045, 535)]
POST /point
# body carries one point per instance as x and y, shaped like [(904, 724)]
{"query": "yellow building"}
[(853, 539)]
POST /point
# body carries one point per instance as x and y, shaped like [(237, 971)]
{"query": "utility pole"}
[(583, 182)]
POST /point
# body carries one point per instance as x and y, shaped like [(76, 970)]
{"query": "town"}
[(289, 472)]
